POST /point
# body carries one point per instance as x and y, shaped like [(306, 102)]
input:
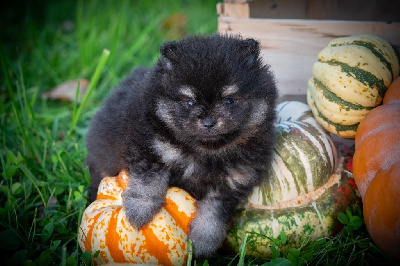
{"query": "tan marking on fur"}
[(237, 177), (229, 90), (187, 92), (189, 170), (258, 114), (167, 151), (162, 112)]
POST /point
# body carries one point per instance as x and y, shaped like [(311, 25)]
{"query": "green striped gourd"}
[(350, 78), (304, 191), (304, 156)]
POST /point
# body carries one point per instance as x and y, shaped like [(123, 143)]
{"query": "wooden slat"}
[(237, 1), (291, 46), (238, 9), (279, 9), (354, 10)]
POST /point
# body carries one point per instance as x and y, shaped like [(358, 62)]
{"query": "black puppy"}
[(201, 119)]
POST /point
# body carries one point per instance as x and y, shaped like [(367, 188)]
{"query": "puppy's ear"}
[(251, 49), (169, 53)]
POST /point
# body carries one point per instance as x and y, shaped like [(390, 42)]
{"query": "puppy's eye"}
[(228, 101), (190, 102)]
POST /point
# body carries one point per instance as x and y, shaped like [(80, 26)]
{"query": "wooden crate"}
[(292, 32)]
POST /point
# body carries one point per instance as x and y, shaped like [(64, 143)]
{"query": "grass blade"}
[(242, 251), (34, 181), (77, 98), (92, 85), (190, 252)]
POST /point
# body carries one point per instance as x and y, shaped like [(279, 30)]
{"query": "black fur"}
[(201, 119)]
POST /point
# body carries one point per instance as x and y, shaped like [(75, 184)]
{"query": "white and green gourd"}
[(350, 78), (304, 156), (304, 189)]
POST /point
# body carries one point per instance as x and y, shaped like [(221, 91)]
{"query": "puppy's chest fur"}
[(198, 173)]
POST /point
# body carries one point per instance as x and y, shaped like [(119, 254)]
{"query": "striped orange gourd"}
[(104, 227)]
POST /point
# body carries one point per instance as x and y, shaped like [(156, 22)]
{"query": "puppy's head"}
[(215, 90)]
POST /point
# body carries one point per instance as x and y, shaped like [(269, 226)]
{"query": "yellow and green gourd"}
[(350, 79)]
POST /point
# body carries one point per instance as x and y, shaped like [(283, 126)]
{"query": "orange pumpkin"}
[(376, 139), (382, 210), (376, 169), (104, 227), (393, 95)]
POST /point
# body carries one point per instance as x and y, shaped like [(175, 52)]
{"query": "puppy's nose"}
[(209, 123)]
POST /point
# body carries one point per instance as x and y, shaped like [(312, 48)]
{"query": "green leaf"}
[(15, 187), (11, 159), (3, 211), (320, 242), (86, 257), (61, 228), (5, 189), (54, 245), (278, 262), (275, 252), (59, 190), (348, 212), (47, 232), (33, 179), (10, 203), (20, 159), (348, 230), (359, 212), (355, 222), (294, 256), (77, 195), (27, 187), (308, 255), (9, 171), (71, 261), (45, 258), (283, 237), (343, 218), (9, 240), (19, 257)]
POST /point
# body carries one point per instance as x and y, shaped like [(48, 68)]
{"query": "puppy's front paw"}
[(207, 235), (140, 211)]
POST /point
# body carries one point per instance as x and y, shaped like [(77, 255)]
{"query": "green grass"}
[(44, 182)]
